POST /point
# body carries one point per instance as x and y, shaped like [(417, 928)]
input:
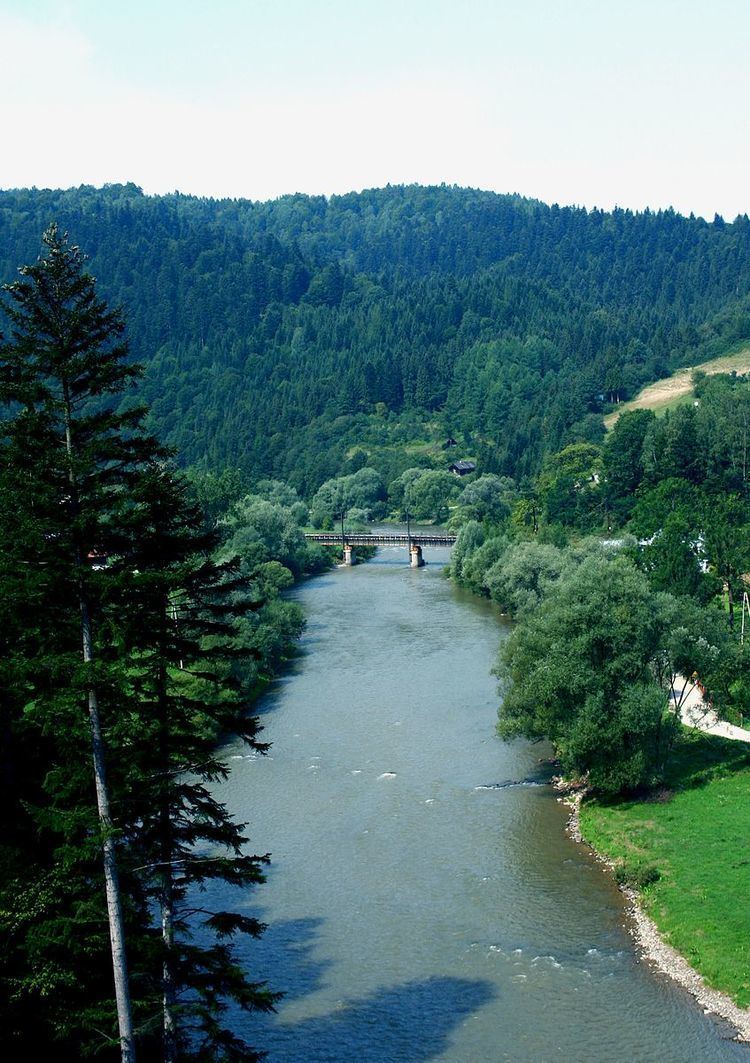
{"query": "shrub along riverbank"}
[(262, 526), (595, 663)]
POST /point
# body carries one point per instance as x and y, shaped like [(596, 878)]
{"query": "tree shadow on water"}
[(409, 1023), (285, 957)]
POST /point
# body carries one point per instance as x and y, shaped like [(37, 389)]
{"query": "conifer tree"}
[(124, 636), (65, 357)]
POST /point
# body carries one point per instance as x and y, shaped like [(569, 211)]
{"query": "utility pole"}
[(408, 523)]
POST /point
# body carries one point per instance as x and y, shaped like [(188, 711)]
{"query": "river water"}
[(417, 909)]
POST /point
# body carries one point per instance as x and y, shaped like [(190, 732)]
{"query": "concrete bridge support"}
[(348, 555), (415, 559)]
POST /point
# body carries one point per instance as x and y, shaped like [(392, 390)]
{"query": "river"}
[(417, 908)]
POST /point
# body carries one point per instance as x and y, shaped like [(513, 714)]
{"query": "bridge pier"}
[(414, 543), (415, 556)]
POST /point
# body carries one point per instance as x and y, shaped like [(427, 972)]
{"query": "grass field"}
[(696, 835), (678, 388)]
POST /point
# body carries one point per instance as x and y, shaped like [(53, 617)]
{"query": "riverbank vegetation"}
[(597, 659)]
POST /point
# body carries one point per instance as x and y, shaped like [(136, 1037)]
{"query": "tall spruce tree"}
[(65, 357), (125, 632)]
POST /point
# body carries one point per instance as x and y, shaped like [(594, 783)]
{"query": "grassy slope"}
[(678, 388), (699, 839)]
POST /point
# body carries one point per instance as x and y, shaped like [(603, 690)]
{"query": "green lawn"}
[(696, 834)]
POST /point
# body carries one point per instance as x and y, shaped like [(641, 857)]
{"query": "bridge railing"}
[(331, 538)]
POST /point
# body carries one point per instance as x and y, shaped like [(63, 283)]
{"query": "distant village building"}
[(462, 468), (450, 442)]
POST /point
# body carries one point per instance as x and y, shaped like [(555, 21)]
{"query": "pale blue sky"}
[(637, 103)]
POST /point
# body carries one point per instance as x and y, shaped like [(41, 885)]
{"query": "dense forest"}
[(305, 337)]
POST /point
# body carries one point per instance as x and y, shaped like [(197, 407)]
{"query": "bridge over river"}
[(413, 543)]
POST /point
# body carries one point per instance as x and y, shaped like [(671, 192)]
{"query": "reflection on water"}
[(424, 902)]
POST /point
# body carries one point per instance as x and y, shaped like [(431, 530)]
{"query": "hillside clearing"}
[(678, 387)]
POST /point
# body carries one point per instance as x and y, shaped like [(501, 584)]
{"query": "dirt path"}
[(695, 712)]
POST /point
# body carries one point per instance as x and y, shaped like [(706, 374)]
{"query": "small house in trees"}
[(462, 468), (450, 442)]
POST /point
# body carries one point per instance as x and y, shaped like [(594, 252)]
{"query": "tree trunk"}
[(169, 1040), (166, 855), (111, 877)]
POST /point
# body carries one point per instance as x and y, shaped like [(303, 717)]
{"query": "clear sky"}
[(596, 102)]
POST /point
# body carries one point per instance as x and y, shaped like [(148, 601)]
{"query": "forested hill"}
[(278, 336)]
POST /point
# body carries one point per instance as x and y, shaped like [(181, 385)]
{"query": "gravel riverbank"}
[(652, 946)]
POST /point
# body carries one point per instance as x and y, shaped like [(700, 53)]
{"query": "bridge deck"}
[(332, 539)]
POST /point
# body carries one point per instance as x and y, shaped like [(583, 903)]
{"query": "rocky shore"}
[(650, 943)]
